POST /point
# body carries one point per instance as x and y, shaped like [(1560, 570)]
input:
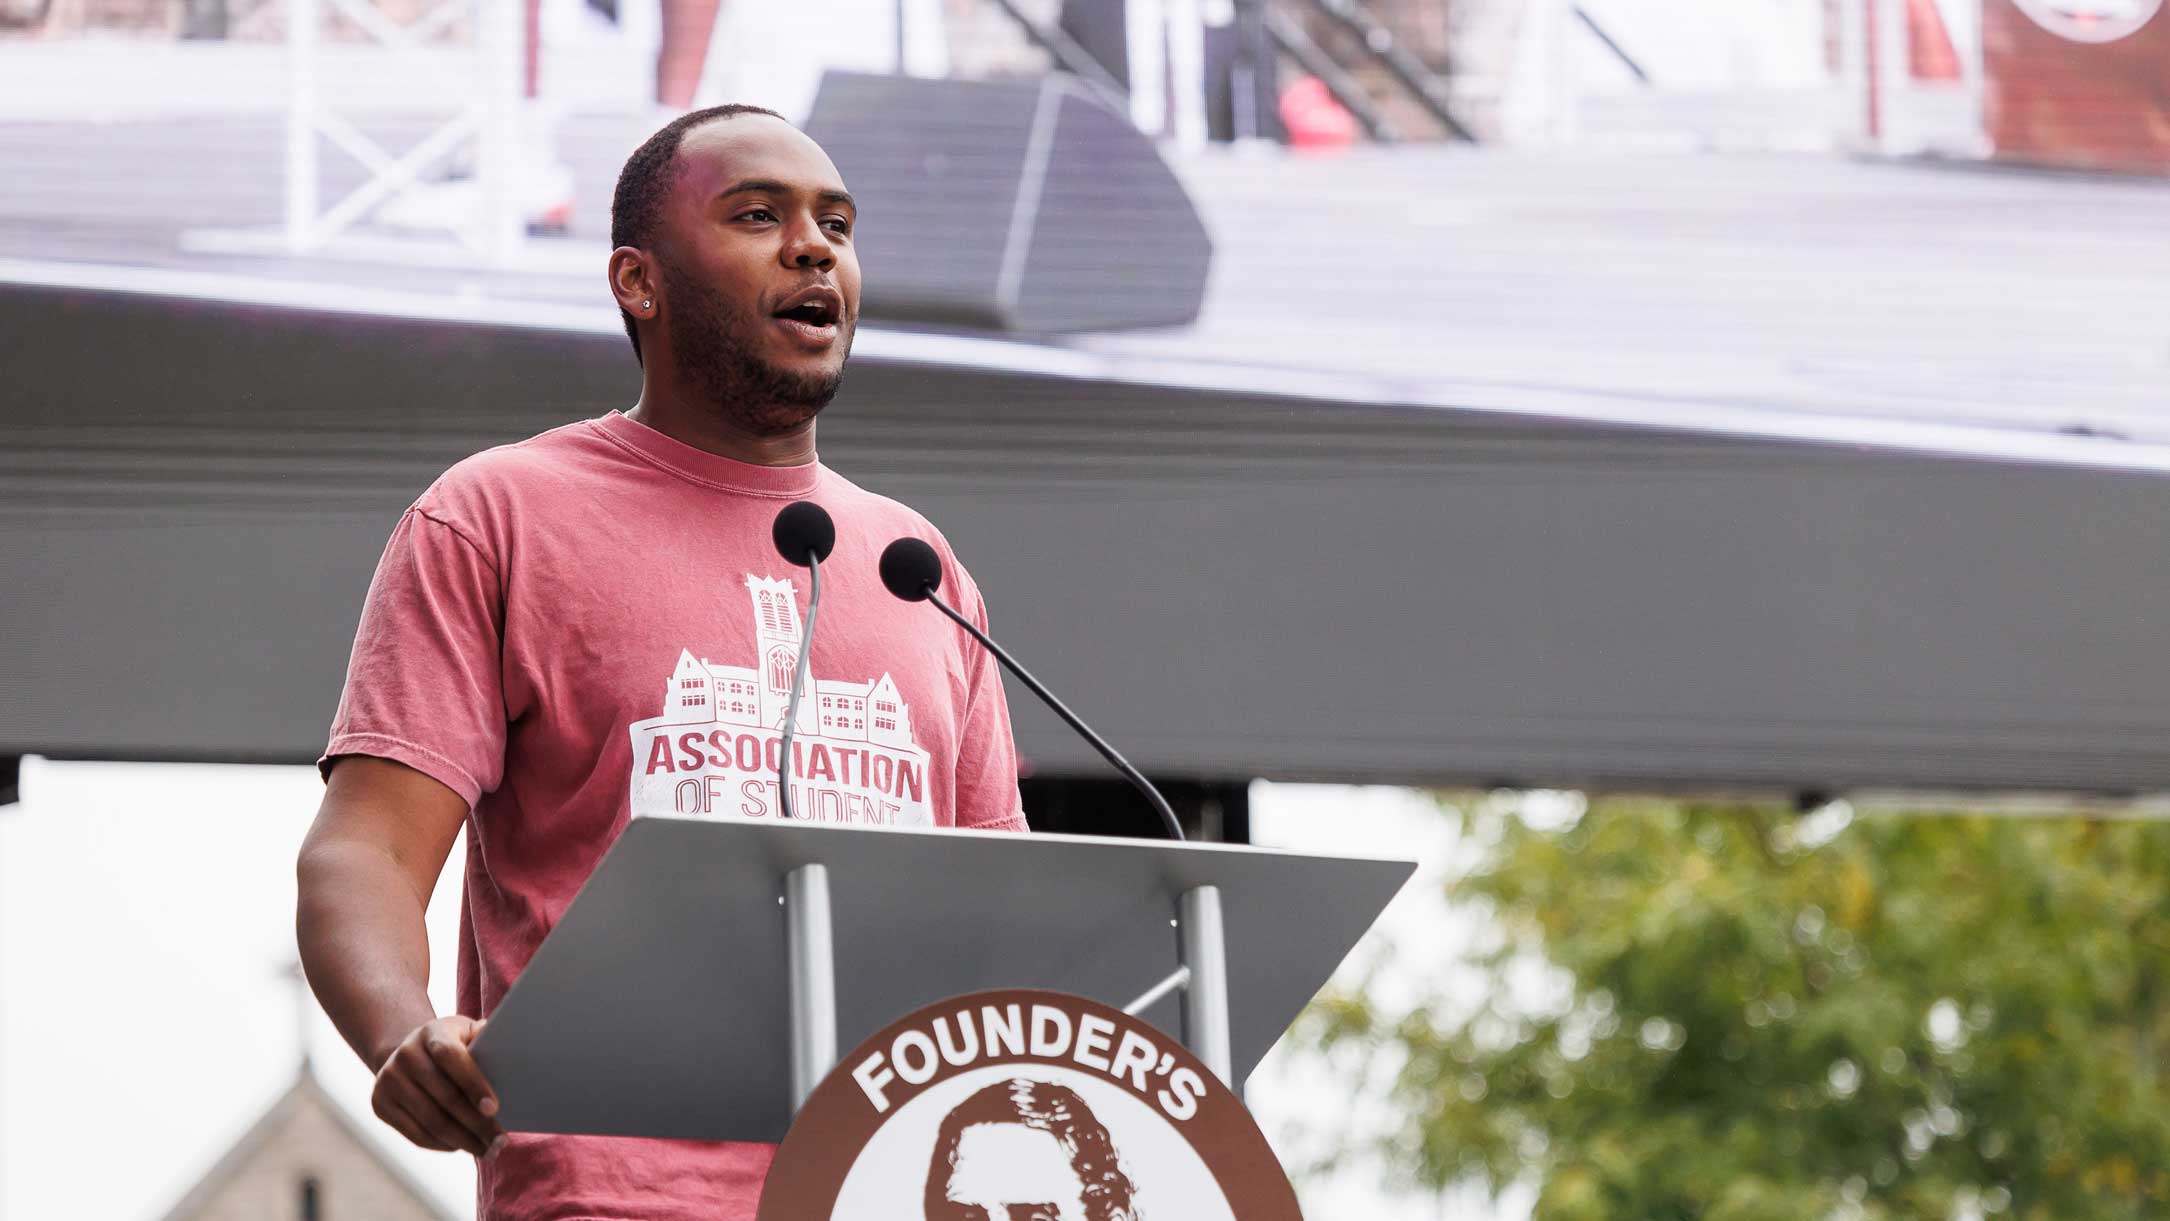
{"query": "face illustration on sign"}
[(2091, 20), (1024, 1106), (1025, 1150)]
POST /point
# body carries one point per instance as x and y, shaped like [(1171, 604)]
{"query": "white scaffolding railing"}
[(1569, 74), (485, 86)]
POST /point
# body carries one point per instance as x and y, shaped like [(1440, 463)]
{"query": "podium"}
[(705, 976)]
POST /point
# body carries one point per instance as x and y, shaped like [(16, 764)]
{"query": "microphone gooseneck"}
[(912, 571), (804, 535)]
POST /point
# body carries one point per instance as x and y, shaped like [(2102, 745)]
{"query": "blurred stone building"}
[(306, 1160)]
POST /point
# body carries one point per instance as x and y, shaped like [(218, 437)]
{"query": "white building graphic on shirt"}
[(712, 752), (701, 691)]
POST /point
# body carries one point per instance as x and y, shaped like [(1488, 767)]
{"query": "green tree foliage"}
[(1758, 1016)]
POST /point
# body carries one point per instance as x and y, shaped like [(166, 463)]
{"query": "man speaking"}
[(594, 625)]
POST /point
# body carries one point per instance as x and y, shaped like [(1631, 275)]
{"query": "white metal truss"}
[(485, 83), (488, 121)]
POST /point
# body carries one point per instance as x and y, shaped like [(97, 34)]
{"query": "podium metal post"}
[(1205, 992), (808, 928)]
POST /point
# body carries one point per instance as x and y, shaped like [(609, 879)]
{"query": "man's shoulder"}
[(899, 518), (896, 519), (493, 478)]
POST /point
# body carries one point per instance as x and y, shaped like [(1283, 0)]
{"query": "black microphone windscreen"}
[(804, 530), (911, 569)]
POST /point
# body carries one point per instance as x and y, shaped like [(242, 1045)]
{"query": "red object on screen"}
[(1313, 118), (2069, 84), (1930, 54)]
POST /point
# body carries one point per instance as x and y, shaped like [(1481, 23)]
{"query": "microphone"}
[(912, 571), (804, 535)]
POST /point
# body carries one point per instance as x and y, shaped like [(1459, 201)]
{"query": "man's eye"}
[(838, 224), (762, 212)]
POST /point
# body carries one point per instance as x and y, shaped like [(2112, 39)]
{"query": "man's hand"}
[(430, 1089)]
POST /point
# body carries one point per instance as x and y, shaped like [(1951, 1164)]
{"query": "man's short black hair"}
[(636, 207)]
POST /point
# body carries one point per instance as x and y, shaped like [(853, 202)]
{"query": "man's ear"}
[(633, 280)]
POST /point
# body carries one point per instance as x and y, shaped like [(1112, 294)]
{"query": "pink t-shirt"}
[(594, 625)]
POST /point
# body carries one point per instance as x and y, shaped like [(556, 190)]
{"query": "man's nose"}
[(809, 247)]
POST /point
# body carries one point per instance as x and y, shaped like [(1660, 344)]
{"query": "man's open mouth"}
[(816, 310), (812, 315)]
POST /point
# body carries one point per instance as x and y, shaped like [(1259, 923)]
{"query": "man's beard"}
[(713, 341)]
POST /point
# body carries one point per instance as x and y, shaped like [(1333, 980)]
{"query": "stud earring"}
[(647, 304)]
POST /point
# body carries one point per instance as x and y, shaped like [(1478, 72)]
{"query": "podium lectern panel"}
[(659, 1006)]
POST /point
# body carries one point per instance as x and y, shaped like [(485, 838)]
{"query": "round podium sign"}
[(1003, 1106)]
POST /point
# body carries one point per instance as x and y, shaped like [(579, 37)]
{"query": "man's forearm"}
[(364, 944)]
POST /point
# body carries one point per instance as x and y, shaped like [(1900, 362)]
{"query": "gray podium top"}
[(659, 1005)]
